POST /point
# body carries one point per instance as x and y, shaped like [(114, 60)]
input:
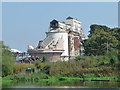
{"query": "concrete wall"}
[(71, 45), (62, 35), (74, 44), (75, 24), (50, 57), (77, 45)]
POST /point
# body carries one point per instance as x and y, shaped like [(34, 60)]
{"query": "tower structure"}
[(62, 41)]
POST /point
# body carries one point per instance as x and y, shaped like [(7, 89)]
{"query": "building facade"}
[(62, 42)]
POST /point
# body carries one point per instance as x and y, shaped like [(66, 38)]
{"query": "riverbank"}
[(42, 79), (35, 77), (92, 68)]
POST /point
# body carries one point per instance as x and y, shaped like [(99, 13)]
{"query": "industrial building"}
[(62, 42)]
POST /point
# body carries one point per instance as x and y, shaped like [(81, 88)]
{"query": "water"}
[(64, 84)]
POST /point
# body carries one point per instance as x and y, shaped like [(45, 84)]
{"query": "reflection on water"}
[(65, 84)]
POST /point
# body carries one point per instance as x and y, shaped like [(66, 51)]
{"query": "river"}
[(77, 84)]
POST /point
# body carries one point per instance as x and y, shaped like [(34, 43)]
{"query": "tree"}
[(7, 60), (116, 32), (100, 41)]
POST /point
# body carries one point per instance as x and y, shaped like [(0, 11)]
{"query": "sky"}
[(25, 23), (119, 14)]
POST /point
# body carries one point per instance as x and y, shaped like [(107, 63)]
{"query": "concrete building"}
[(62, 41)]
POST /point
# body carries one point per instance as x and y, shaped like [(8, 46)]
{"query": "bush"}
[(5, 70), (44, 59), (7, 61), (98, 66), (113, 60), (38, 64), (78, 58)]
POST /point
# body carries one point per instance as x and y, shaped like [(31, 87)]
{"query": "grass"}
[(44, 77), (113, 78)]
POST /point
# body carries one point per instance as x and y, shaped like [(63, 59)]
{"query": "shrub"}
[(91, 65), (44, 59), (7, 61), (78, 58), (38, 64)]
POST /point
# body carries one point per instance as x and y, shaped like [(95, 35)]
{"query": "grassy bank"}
[(41, 77), (84, 69)]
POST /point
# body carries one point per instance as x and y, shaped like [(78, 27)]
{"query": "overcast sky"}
[(25, 23)]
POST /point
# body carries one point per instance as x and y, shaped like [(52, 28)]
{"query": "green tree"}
[(100, 41), (7, 60), (116, 32)]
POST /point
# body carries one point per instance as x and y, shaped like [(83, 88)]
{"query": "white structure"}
[(15, 51), (63, 38)]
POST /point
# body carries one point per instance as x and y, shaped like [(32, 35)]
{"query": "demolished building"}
[(62, 42)]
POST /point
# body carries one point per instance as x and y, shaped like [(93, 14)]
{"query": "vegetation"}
[(9, 66), (93, 66), (44, 59), (7, 60), (88, 68), (0, 59), (102, 41)]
